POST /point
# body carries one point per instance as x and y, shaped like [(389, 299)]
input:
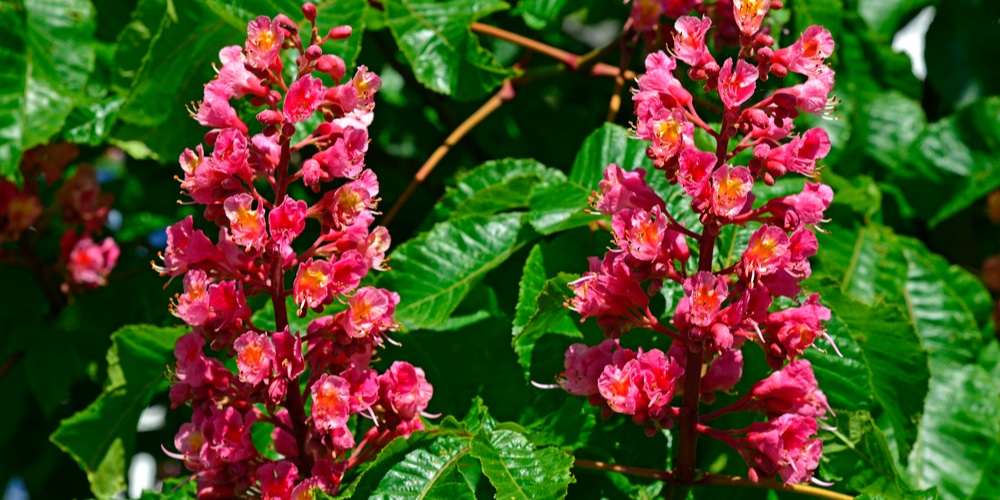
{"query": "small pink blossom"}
[(303, 98), (331, 407), (193, 306), (369, 312), (245, 223), (621, 386), (793, 389), (277, 480), (584, 366), (254, 357), (737, 87), (750, 14), (287, 220), (689, 40), (782, 446), (621, 189), (731, 190), (264, 39), (766, 253), (89, 264), (703, 296), (405, 390)]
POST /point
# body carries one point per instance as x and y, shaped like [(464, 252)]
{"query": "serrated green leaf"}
[(429, 469), (550, 316), (517, 469), (559, 207), (47, 55), (846, 380), (959, 432), (897, 362), (445, 56), (893, 123), (102, 436), (495, 186), (435, 271), (529, 287)]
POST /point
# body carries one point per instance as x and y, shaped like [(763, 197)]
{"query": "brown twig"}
[(713, 479), (572, 61), (505, 94)]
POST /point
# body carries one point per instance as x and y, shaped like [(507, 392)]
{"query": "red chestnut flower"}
[(315, 387), (723, 308)]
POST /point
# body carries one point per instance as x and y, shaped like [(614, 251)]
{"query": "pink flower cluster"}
[(722, 310), (738, 21), (328, 409), (78, 205)]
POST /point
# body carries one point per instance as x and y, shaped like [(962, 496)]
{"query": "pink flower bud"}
[(309, 10), (339, 33)]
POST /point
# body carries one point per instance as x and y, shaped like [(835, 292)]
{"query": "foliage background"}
[(917, 394)]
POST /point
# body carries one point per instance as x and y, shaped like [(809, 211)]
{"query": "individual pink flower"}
[(808, 54), (621, 386), (228, 434), (730, 190), (584, 366), (364, 389), (809, 205), (793, 389), (277, 480), (193, 306), (303, 98), (703, 296), (736, 87), (89, 264), (310, 288), (659, 84), (374, 247), (782, 446), (750, 14), (369, 312), (640, 233), (766, 253), (345, 158), (287, 220), (796, 328), (215, 111), (659, 377), (689, 40), (235, 75), (351, 199), (231, 152), (722, 375), (621, 189), (331, 407), (254, 357), (366, 83), (405, 390), (694, 173), (645, 14), (245, 223), (264, 39), (288, 360)]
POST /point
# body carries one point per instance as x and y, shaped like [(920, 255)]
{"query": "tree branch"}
[(712, 479), (505, 94)]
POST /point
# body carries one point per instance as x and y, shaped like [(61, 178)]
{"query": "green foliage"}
[(445, 56), (101, 437)]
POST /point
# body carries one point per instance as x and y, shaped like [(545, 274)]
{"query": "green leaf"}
[(611, 144), (427, 467), (445, 56), (538, 14), (91, 124), (550, 316), (885, 16), (959, 433), (826, 13), (856, 455), (495, 186), (846, 380), (559, 207), (959, 39), (893, 123), (898, 365), (47, 55), (101, 437), (519, 471), (436, 270)]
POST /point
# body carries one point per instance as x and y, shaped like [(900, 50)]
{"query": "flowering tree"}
[(710, 294)]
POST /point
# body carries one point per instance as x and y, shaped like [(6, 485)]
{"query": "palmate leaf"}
[(101, 437), (444, 54), (47, 53), (435, 271)]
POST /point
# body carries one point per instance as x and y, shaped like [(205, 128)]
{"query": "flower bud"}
[(313, 53), (269, 117), (331, 65), (309, 10), (339, 33)]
